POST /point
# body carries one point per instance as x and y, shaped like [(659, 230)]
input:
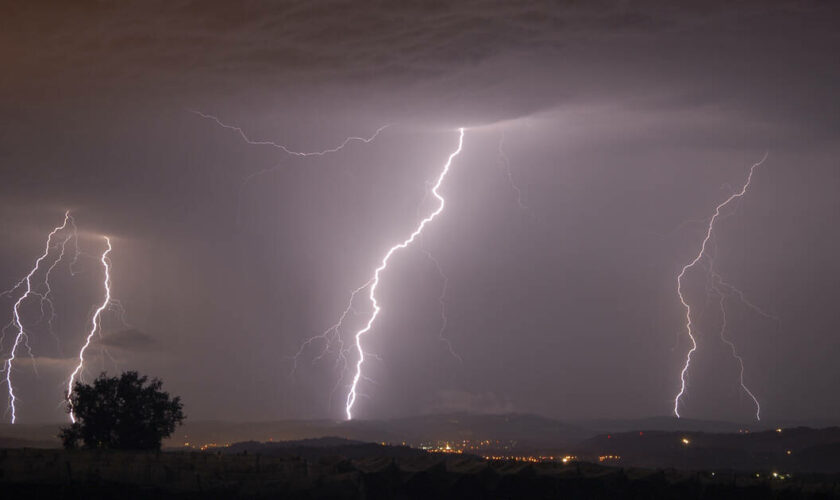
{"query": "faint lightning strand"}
[(286, 149), (444, 287), (735, 354), (95, 325), (442, 301), (21, 336), (742, 298), (351, 395), (332, 334), (694, 261), (505, 162)]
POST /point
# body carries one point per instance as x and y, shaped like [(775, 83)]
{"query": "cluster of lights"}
[(206, 446), (608, 458), (465, 445), (532, 458), (447, 449), (774, 475)]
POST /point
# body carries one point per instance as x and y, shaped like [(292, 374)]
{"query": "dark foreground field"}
[(29, 473)]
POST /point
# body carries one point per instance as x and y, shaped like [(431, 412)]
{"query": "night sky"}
[(625, 124)]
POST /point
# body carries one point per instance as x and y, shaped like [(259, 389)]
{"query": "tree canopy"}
[(122, 412)]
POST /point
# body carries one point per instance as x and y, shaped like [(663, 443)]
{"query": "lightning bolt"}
[(351, 395), (95, 324), (73, 234), (331, 337), (688, 318), (17, 322)]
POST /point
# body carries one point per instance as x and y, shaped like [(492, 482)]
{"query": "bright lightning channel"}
[(688, 319), (351, 395), (96, 323), (45, 298), (20, 336)]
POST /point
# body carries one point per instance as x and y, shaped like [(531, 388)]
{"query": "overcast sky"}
[(624, 123)]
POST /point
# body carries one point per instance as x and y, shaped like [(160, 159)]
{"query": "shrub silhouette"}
[(121, 413)]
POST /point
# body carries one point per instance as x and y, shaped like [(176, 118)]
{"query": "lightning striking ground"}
[(332, 336), (352, 393), (96, 322), (21, 336), (688, 317)]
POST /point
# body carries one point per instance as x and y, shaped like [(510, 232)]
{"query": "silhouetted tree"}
[(122, 413)]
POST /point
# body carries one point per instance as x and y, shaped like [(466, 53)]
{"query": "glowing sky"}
[(621, 121)]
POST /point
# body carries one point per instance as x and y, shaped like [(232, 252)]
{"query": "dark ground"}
[(29, 473)]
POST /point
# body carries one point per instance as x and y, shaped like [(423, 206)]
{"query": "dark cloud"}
[(130, 340)]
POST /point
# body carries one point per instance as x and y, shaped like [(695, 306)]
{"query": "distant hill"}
[(314, 449), (522, 428), (799, 449), (27, 443), (29, 435), (668, 423), (526, 429), (528, 432)]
